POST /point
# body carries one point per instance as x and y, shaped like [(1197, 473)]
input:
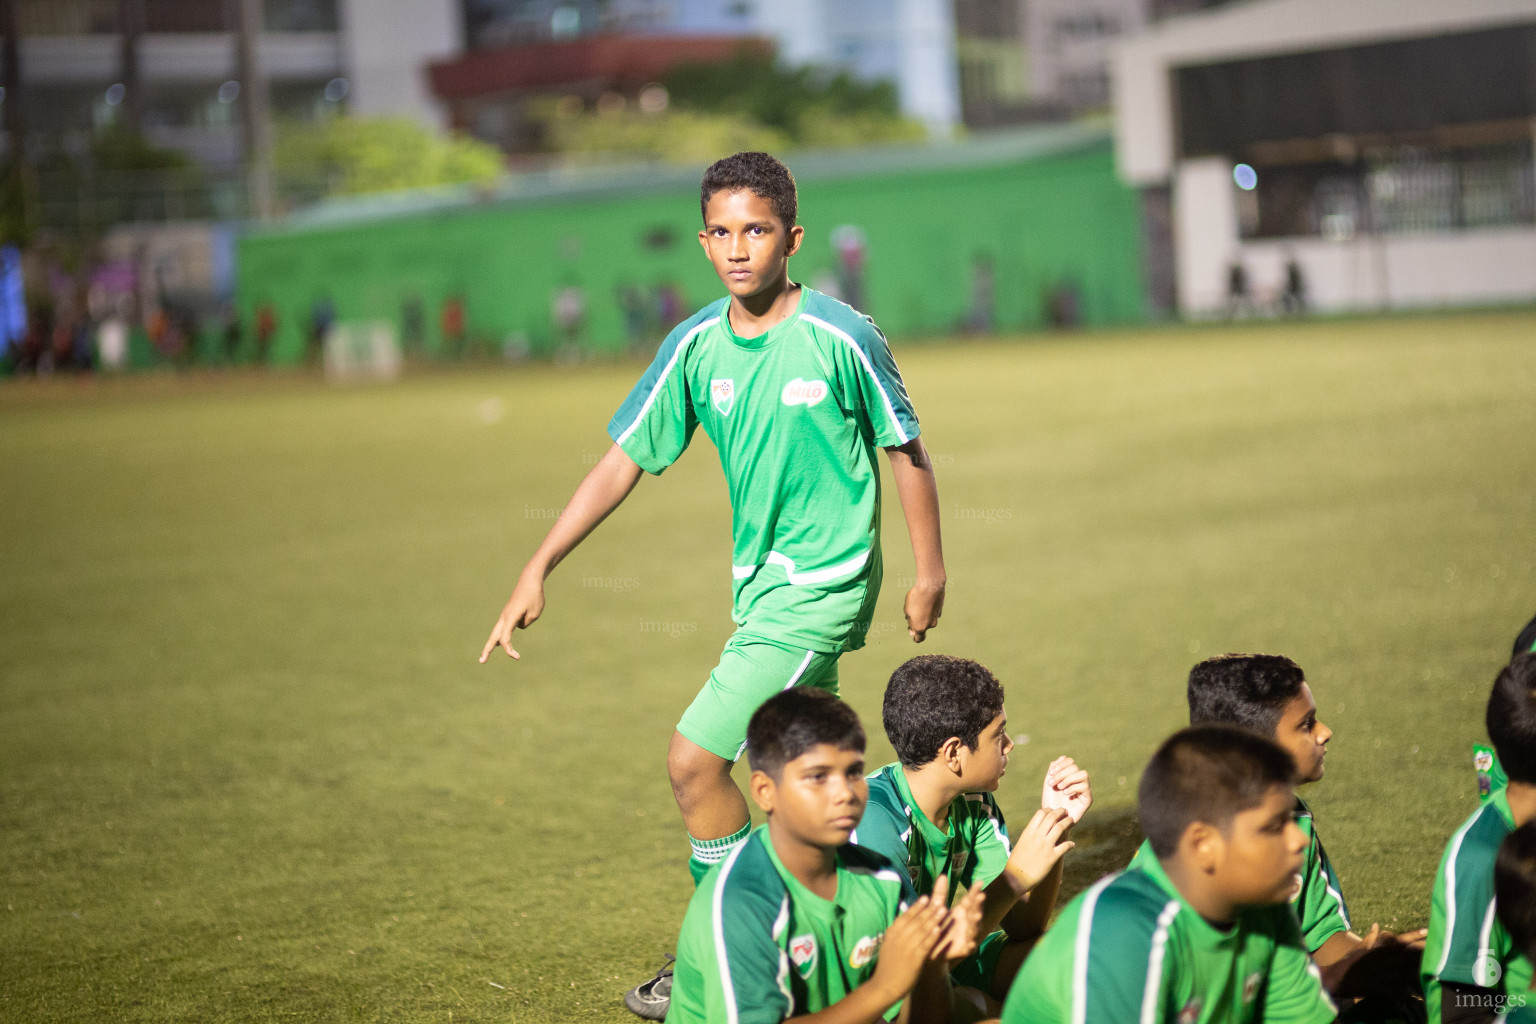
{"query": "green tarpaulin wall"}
[(1045, 209)]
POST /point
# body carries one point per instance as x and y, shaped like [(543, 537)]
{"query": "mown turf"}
[(251, 770)]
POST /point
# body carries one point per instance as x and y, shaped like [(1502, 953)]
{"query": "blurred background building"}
[(1379, 153), (1260, 156)]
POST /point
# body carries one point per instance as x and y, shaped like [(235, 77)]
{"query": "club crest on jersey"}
[(723, 394), (1251, 986), (804, 392), (1191, 1011), (864, 950), (802, 950)]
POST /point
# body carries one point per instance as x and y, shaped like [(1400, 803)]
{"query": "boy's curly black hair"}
[(758, 173)]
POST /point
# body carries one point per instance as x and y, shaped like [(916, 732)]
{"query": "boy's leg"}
[(712, 735)]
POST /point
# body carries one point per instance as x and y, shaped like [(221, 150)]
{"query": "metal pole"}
[(130, 17), (255, 108)]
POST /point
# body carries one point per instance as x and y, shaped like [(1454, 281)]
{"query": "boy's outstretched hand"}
[(523, 610), (1067, 788), (1038, 848)]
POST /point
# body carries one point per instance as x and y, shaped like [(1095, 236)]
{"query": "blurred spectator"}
[(1238, 297), (669, 306), (230, 332), (452, 321), (848, 242), (568, 310), (112, 343), (413, 323), (322, 317), (1063, 304), (1293, 298), (979, 318), (265, 328), (636, 314), (826, 282)]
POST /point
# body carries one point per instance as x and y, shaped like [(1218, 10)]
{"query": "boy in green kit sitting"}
[(933, 810), (1268, 694), (1201, 932), (1470, 962), (1514, 891), (796, 922)]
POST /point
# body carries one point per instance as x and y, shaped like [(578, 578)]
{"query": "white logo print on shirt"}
[(804, 392)]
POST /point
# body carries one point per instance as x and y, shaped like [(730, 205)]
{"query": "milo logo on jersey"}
[(864, 950), (1191, 1011), (804, 392), (802, 950), (957, 862)]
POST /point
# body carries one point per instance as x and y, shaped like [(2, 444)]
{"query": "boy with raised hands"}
[(933, 811)]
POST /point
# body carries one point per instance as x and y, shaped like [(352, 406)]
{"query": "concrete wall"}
[(386, 45), (1401, 271)]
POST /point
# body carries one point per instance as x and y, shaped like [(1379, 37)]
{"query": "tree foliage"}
[(352, 155)]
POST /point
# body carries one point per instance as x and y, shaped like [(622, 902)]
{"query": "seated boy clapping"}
[(1201, 932), (933, 810), (797, 922)]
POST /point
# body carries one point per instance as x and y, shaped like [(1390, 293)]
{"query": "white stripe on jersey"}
[(1450, 889), (1155, 963), (832, 572), (717, 907), (1080, 952), (661, 381), (890, 410)]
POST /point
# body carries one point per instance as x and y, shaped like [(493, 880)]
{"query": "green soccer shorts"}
[(751, 669), (978, 969)]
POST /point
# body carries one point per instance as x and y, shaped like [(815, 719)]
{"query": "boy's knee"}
[(690, 765)]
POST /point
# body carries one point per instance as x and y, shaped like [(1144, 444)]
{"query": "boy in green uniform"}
[(798, 922), (1201, 932), (934, 811), (1470, 962), (1268, 694), (1514, 892), (796, 390)]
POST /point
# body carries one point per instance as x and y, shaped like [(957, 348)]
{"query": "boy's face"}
[(1303, 736), (819, 797), (982, 769), (747, 242), (1256, 860)]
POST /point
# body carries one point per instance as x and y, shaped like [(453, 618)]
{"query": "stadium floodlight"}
[(1245, 176)]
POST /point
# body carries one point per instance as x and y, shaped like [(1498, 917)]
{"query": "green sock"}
[(709, 852)]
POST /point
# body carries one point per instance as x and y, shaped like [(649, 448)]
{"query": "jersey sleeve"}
[(989, 841), (871, 384), (656, 421), (1293, 990), (749, 983), (1321, 908), (885, 833), (1461, 908)]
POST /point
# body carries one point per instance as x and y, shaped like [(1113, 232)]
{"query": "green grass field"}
[(252, 771)]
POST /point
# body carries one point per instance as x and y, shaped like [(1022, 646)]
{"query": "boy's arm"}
[(1033, 867), (919, 494), (603, 490)]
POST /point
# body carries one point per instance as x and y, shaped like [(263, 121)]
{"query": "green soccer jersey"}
[(796, 415), (758, 947), (971, 848), (1131, 949), (1319, 902), (1467, 944)]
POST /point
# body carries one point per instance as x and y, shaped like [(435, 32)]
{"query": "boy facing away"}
[(1268, 694), (1201, 931), (933, 811), (796, 390), (1471, 964), (797, 922)]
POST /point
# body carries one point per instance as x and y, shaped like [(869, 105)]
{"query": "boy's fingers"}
[(941, 890)]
